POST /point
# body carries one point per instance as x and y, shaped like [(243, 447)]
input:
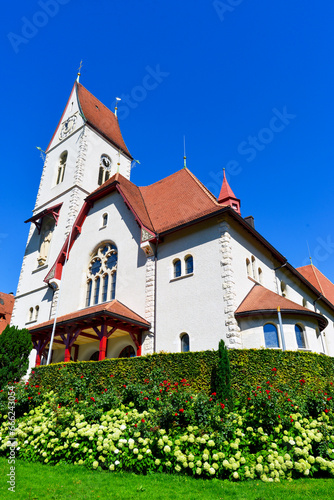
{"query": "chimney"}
[(250, 221)]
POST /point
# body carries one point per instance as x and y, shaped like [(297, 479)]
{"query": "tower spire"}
[(227, 197)]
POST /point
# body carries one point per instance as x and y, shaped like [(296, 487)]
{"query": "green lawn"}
[(40, 482)]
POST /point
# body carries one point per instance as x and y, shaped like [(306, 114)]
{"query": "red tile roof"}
[(113, 309), (166, 204), (318, 280), (101, 118), (260, 300), (6, 309)]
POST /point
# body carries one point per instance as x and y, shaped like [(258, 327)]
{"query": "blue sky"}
[(249, 83)]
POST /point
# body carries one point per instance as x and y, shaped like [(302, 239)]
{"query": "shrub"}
[(15, 347)]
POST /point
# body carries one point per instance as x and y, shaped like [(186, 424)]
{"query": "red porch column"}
[(103, 343), (67, 354), (38, 359), (139, 338)]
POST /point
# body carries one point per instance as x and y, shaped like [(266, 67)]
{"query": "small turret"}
[(227, 197)]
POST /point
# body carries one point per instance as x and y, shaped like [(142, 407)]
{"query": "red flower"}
[(326, 411), (32, 372), (222, 405), (111, 375), (214, 394), (143, 420), (38, 393), (274, 369), (92, 399), (136, 425), (29, 397), (160, 390), (59, 406), (249, 399), (124, 385), (279, 416), (269, 397), (146, 398), (76, 400), (292, 420), (176, 414), (328, 399), (267, 391), (302, 381), (210, 399), (36, 386), (82, 376), (157, 399), (15, 401), (181, 410), (105, 390)]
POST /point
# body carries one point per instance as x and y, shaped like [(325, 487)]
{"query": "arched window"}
[(185, 342), (31, 314), (127, 352), (260, 275), (36, 312), (104, 220), (254, 267), (94, 356), (177, 268), (270, 336), (189, 261), (105, 169), (248, 266), (61, 167), (300, 337), (101, 276), (283, 289), (304, 302)]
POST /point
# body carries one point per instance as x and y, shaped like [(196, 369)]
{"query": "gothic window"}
[(104, 170), (45, 239), (61, 167), (248, 266), (189, 264), (260, 275), (300, 337), (36, 312), (177, 268), (283, 289), (104, 220), (185, 342), (270, 336), (101, 276), (254, 267)]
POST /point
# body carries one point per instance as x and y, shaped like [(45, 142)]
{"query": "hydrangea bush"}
[(163, 426)]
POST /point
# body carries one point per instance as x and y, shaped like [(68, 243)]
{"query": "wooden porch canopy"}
[(96, 323)]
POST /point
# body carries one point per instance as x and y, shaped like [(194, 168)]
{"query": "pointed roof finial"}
[(79, 69), (309, 253), (184, 152), (116, 108)]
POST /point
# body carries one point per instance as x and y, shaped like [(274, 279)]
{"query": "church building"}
[(113, 270)]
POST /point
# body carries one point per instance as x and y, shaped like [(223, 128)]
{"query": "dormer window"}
[(105, 169)]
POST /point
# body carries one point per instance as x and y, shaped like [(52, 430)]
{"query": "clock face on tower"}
[(67, 127)]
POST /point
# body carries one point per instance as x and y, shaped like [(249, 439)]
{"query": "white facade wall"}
[(124, 232), (253, 335), (191, 304)]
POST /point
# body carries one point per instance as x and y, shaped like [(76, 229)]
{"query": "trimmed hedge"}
[(249, 367)]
